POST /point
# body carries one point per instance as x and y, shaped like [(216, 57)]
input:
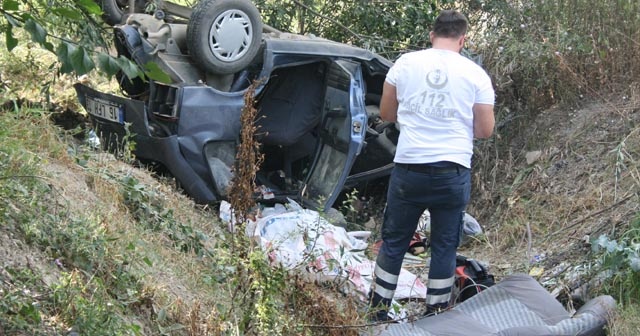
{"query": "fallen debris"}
[(303, 240)]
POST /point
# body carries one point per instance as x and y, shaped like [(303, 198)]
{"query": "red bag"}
[(471, 278)]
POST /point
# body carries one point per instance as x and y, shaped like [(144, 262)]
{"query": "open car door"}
[(342, 128)]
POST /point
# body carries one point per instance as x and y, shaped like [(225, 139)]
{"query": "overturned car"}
[(317, 104)]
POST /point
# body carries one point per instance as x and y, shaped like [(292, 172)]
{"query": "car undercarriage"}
[(317, 101)]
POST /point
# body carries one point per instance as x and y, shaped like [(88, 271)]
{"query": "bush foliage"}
[(543, 52)]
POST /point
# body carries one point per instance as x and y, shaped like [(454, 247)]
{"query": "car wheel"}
[(113, 11), (224, 35)]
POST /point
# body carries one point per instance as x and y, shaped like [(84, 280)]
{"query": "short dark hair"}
[(450, 23)]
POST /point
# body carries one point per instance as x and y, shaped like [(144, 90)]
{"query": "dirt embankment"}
[(541, 195), (561, 181)]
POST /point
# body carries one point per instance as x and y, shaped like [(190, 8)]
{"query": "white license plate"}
[(105, 109)]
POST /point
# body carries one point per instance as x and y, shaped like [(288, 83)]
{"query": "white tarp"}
[(302, 239)]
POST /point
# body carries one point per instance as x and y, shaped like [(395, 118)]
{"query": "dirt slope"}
[(564, 179), (542, 190)]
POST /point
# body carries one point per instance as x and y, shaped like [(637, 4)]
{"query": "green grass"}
[(124, 254), (33, 211)]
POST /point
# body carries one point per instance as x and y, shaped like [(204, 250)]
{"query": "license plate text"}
[(105, 109)]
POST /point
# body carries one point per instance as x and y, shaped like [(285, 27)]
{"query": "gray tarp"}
[(517, 306)]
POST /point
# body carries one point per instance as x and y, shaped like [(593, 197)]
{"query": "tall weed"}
[(543, 52)]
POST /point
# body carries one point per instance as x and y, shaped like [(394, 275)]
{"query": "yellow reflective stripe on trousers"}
[(440, 283), (385, 276)]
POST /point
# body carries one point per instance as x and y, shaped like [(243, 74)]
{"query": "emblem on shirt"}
[(437, 79)]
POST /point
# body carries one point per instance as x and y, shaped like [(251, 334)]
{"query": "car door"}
[(341, 133)]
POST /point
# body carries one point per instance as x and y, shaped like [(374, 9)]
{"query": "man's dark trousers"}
[(444, 188)]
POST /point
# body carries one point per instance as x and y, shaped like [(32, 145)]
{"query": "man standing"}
[(441, 101)]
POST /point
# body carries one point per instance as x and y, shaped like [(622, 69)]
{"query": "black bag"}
[(471, 278)]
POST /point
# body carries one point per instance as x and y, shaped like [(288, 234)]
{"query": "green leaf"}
[(10, 5), (64, 52), (153, 71), (38, 34), (11, 41), (81, 61), (147, 261), (90, 5), (68, 13), (48, 45), (108, 64), (162, 315), (12, 20), (129, 68)]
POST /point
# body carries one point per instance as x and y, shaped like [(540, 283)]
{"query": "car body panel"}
[(165, 150)]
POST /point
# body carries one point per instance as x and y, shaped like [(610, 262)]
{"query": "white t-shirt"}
[(436, 90)]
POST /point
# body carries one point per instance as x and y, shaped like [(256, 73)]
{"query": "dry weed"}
[(584, 182)]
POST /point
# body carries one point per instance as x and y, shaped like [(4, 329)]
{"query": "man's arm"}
[(483, 120), (389, 103)]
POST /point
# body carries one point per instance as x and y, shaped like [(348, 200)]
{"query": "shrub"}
[(620, 261), (544, 52)]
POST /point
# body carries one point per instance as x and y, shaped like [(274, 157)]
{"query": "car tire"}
[(224, 36), (113, 11)]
